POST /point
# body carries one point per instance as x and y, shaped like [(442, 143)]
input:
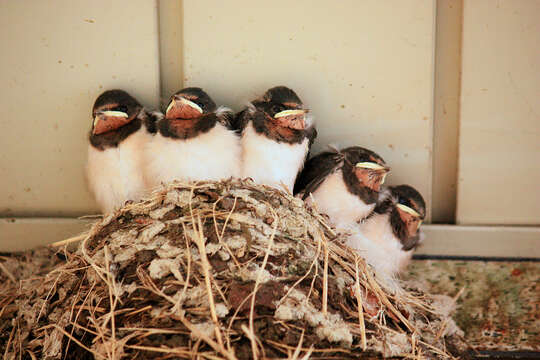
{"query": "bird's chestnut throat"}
[(187, 128), (400, 228), (367, 194)]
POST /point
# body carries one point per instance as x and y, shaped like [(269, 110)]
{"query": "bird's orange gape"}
[(293, 119), (182, 108), (106, 121)]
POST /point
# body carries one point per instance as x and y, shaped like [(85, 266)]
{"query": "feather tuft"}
[(251, 109)]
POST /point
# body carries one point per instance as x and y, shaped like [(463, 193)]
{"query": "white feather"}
[(376, 242), (251, 108), (309, 119), (334, 199), (214, 155), (270, 162), (223, 110), (158, 115), (115, 175)]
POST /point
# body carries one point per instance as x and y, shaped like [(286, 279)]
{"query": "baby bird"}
[(277, 134), (344, 184), (388, 237), (194, 141), (120, 129)]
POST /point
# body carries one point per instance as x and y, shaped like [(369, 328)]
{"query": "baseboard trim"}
[(484, 241), (450, 241), (474, 258), (18, 234)]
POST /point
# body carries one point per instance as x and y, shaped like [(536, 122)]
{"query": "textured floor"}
[(500, 306)]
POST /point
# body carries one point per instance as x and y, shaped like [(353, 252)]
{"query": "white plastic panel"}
[(365, 68), (499, 163), (57, 57)]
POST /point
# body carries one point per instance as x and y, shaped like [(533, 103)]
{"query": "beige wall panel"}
[(496, 241), (26, 233), (446, 124), (170, 47), (57, 57), (365, 68), (499, 166)]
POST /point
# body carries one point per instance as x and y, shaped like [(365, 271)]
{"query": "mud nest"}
[(217, 270)]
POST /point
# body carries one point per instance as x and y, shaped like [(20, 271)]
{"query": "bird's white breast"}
[(270, 162), (376, 242), (115, 175), (334, 199), (213, 155)]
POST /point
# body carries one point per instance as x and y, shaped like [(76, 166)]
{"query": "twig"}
[(325, 279), (386, 302), (78, 342), (445, 322), (9, 342), (69, 240), (212, 343), (112, 301), (166, 350), (199, 239), (258, 280), (360, 309), (8, 274), (315, 263), (220, 236)]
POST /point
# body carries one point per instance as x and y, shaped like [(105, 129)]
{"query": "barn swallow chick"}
[(343, 184), (120, 129), (194, 141), (277, 133), (388, 237)]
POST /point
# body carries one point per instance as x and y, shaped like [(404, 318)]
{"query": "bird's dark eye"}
[(277, 108), (121, 108), (403, 201)]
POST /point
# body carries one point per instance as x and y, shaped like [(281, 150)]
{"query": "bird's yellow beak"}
[(109, 113), (408, 210), (370, 165), (183, 102), (285, 113)]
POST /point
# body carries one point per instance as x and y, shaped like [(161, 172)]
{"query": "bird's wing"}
[(240, 121), (311, 134), (316, 170), (226, 117), (151, 119)]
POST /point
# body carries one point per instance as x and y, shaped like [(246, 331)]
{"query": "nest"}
[(217, 270)]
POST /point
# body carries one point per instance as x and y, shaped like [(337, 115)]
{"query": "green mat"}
[(500, 306)]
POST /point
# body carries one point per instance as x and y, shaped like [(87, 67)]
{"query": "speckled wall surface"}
[(500, 306)]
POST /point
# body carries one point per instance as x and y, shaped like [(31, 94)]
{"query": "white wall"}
[(499, 163), (57, 57), (365, 68)]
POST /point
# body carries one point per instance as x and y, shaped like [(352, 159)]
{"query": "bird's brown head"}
[(284, 108), (409, 206), (364, 172), (112, 110), (189, 103)]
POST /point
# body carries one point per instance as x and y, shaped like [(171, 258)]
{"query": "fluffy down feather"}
[(334, 199), (269, 162), (213, 155), (115, 175), (376, 242)]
